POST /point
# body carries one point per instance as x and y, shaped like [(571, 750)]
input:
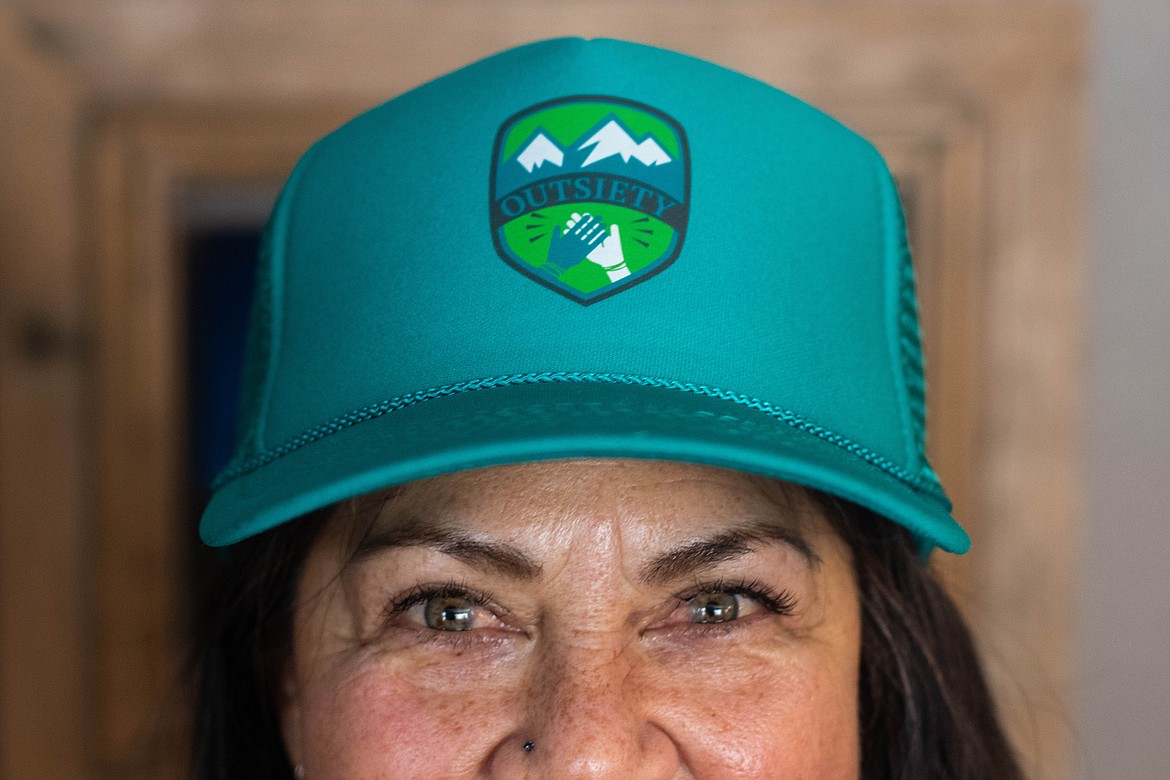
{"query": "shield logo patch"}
[(590, 194)]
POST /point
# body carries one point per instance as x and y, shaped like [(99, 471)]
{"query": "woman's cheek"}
[(790, 718), (386, 722)]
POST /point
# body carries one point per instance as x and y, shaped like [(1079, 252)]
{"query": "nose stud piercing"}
[(528, 746)]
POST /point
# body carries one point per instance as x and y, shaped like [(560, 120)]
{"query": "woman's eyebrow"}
[(695, 556), (497, 557)]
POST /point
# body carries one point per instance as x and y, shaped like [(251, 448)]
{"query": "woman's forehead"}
[(633, 496), (597, 480), (658, 522)]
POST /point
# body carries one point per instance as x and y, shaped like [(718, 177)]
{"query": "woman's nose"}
[(588, 718)]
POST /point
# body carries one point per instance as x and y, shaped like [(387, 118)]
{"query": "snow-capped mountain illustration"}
[(612, 139), (608, 148), (539, 151)]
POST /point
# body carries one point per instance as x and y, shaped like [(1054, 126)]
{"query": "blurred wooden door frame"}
[(118, 109)]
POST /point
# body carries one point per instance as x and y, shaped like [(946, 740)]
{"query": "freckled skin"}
[(602, 670)]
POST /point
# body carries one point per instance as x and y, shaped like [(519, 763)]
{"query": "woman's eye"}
[(447, 613), (450, 615), (720, 607)]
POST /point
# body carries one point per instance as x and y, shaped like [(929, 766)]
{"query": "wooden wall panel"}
[(43, 359)]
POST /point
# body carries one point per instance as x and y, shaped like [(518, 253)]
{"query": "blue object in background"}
[(221, 277)]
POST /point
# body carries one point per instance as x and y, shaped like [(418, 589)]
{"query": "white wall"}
[(1125, 712)]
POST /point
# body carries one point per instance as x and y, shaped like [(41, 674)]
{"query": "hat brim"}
[(542, 421)]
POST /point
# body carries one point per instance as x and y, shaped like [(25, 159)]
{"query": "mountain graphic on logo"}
[(609, 147), (539, 151), (612, 139)]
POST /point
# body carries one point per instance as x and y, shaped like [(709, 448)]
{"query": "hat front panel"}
[(393, 284)]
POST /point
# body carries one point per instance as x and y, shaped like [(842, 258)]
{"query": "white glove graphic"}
[(608, 254)]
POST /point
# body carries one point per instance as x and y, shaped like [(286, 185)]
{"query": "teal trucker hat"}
[(584, 248)]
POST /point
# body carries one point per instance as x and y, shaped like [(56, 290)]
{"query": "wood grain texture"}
[(42, 372), (978, 108)]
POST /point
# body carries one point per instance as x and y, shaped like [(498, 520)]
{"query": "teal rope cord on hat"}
[(923, 483)]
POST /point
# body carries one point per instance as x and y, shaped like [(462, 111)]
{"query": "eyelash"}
[(779, 602), (420, 594)]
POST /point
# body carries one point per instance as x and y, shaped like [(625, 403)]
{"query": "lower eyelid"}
[(719, 629), (686, 632)]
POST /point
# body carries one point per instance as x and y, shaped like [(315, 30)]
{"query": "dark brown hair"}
[(925, 710)]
